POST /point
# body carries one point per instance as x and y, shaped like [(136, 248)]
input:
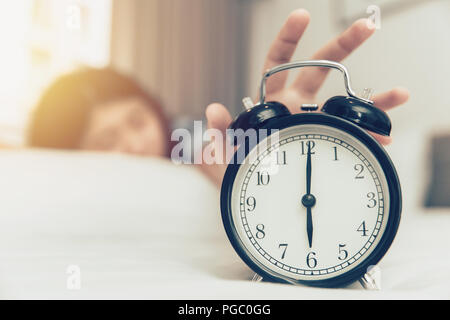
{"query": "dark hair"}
[(60, 117)]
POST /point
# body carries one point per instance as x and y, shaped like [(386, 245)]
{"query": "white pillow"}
[(103, 193)]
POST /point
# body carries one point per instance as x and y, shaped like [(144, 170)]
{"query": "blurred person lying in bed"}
[(99, 109), (106, 111)]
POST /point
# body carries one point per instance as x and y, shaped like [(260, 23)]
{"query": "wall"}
[(186, 52)]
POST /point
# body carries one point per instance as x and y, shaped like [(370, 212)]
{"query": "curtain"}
[(186, 52)]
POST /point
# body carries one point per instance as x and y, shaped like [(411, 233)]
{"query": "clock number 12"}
[(308, 145)]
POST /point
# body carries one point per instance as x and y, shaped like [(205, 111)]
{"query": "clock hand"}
[(308, 199), (309, 225), (308, 170)]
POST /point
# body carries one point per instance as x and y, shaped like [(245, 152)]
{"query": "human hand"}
[(309, 80)]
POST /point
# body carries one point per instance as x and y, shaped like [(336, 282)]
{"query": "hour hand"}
[(309, 201)]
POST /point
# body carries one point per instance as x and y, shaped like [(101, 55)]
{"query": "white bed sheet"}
[(147, 229)]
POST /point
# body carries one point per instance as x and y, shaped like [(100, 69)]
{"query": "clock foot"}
[(372, 279), (257, 278)]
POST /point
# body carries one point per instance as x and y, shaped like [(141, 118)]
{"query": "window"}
[(41, 39)]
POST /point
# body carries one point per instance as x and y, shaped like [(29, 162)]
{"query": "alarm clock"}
[(320, 204)]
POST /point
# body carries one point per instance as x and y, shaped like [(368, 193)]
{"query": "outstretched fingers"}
[(310, 80), (284, 47), (391, 98)]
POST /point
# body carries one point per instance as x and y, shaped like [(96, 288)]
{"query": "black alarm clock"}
[(321, 203)]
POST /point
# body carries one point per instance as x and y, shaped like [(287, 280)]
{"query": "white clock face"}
[(348, 202)]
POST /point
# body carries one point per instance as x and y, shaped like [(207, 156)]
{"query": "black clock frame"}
[(394, 195)]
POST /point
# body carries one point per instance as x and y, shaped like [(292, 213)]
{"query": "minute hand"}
[(309, 223), (308, 171)]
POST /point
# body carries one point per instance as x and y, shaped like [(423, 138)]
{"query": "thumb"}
[(218, 117)]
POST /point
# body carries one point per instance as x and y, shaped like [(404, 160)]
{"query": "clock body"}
[(355, 214)]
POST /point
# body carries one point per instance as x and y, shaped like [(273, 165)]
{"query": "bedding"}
[(140, 228)]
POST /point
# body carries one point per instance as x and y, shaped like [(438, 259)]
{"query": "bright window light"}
[(41, 39)]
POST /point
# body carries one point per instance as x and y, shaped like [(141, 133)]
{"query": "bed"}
[(137, 228)]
